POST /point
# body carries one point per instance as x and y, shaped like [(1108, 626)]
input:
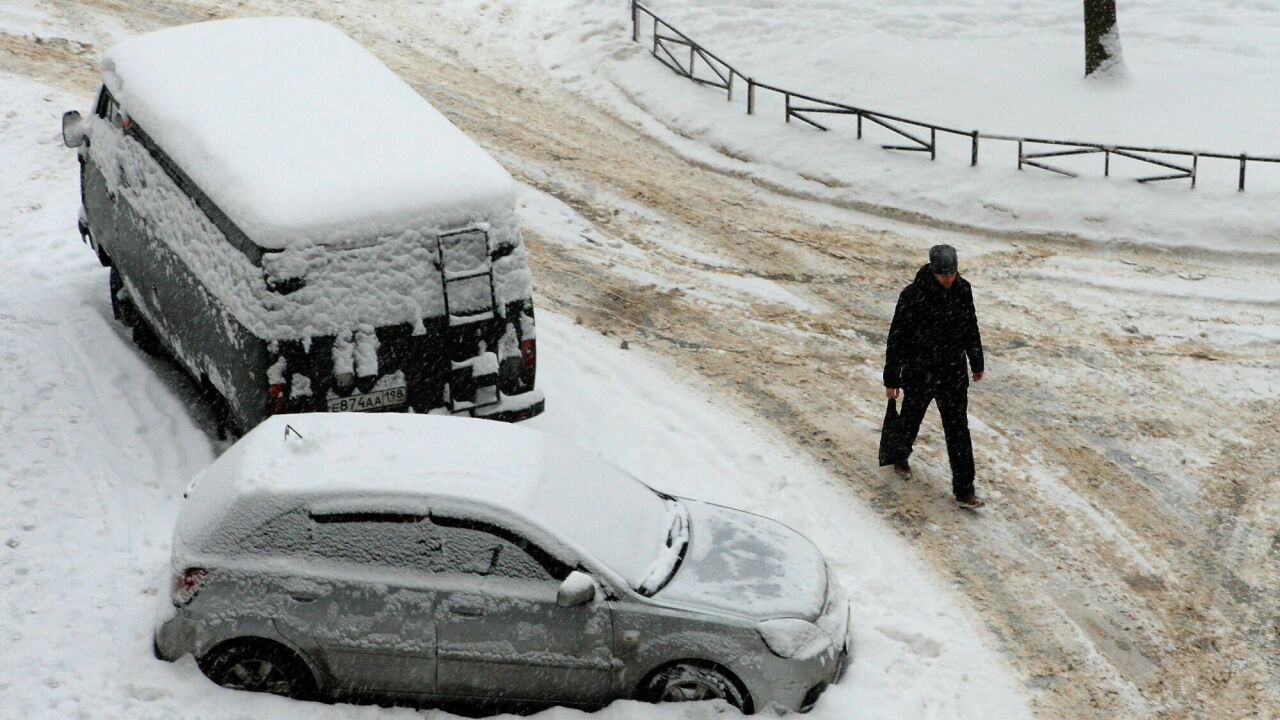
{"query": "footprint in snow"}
[(919, 644), (147, 694)]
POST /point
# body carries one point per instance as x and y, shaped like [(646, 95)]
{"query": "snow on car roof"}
[(391, 462), (300, 134), (326, 455)]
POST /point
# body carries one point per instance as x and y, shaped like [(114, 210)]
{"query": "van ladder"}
[(476, 377), (466, 271), (467, 275)]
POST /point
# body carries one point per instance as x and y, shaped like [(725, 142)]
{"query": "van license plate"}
[(370, 401)]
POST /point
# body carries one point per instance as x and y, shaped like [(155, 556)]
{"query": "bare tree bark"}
[(1101, 39)]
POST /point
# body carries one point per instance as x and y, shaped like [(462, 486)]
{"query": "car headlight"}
[(794, 638)]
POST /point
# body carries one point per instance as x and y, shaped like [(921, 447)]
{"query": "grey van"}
[(300, 230), (400, 558)]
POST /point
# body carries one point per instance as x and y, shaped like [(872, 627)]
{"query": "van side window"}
[(100, 105), (107, 108), (113, 112)]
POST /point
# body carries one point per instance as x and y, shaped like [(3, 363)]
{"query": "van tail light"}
[(276, 393), (528, 353), (186, 585)]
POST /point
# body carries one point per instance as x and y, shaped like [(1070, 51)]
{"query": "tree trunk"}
[(1099, 22)]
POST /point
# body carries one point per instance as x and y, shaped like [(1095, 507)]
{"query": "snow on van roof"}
[(298, 133), (416, 464)]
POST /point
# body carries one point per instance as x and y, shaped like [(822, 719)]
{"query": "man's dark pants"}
[(953, 406)]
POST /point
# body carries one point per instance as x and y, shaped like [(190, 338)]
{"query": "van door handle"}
[(303, 598), (466, 611)]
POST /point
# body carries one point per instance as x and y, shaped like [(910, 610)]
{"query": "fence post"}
[(1195, 164), (1019, 154), (691, 57), (788, 96), (751, 96), (973, 162), (1242, 160), (933, 143), (635, 21), (730, 88), (1106, 163), (859, 125)]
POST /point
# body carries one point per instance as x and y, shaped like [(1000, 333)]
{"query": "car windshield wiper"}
[(671, 556)]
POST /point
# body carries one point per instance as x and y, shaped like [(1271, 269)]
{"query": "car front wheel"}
[(259, 667), (687, 682)]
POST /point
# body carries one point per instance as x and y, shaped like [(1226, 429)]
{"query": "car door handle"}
[(466, 611), (303, 598)]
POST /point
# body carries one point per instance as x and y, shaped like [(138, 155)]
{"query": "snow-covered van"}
[(301, 230)]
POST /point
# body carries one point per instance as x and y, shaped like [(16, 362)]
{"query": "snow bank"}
[(1001, 66)]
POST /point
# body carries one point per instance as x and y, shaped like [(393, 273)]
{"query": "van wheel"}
[(689, 682), (224, 421), (259, 666), (121, 304), (228, 428), (147, 340), (124, 310)]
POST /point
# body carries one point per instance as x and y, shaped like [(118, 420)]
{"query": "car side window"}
[(285, 534), (409, 542), (475, 550), (389, 540)]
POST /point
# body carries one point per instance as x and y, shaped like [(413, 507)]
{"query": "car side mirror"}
[(577, 589), (72, 129)]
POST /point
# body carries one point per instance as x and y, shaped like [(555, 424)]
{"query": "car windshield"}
[(604, 511)]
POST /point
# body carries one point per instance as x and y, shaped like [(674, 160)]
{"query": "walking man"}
[(934, 329)]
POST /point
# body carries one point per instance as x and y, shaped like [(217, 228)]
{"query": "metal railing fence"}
[(687, 58)]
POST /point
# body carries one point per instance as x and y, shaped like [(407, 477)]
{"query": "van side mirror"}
[(72, 129), (577, 589)]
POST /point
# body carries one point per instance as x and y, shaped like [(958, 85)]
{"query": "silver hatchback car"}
[(436, 560)]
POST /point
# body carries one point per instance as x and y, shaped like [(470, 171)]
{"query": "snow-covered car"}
[(300, 229), (433, 559)]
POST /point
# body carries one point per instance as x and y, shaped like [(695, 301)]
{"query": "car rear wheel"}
[(687, 682), (259, 667)]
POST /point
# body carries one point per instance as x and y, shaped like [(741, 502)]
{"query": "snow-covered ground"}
[(1199, 78), (97, 441)]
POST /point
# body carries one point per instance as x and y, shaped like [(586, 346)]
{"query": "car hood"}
[(748, 565)]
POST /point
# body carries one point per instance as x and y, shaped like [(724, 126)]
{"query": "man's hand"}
[(977, 376), (892, 393)]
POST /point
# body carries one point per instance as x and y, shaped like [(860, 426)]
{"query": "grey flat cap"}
[(942, 259)]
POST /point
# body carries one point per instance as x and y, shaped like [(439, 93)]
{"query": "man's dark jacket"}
[(933, 329)]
